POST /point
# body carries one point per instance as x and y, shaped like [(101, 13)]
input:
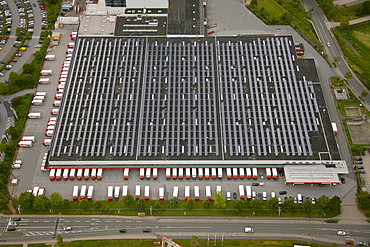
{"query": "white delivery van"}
[(25, 144), (168, 173), (46, 72), (65, 174), (93, 173), (161, 193), (200, 173), (196, 193), (175, 193), (28, 138), (50, 127), (75, 193), (79, 174), (146, 192), (147, 174), (38, 98), (49, 133), (46, 142), (110, 193), (37, 102), (86, 174), (72, 174), (58, 96), (142, 173), (34, 115), (83, 192), (155, 173), (54, 111), (181, 174), (49, 57), (99, 174), (187, 192), (52, 123), (44, 80), (174, 173), (40, 94)]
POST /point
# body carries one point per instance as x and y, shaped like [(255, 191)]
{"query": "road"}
[(45, 228)]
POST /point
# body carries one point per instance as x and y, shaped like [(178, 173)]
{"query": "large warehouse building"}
[(135, 99)]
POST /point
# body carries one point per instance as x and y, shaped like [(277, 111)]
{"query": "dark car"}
[(11, 229), (16, 219), (123, 230), (283, 192), (255, 184), (359, 158), (281, 172), (260, 196), (343, 180), (235, 196), (147, 230), (362, 171), (321, 185)]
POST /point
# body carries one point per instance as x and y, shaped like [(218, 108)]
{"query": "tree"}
[(206, 203), (98, 205), (365, 8), (239, 204), (194, 241), (141, 203), (306, 205), (190, 204), (28, 68), (14, 132), (334, 204), (56, 200), (28, 80), (128, 200), (65, 203), (322, 202), (273, 203), (173, 202), (254, 3), (26, 200), (220, 201), (348, 75), (59, 239), (41, 203), (363, 199), (84, 204), (255, 203), (288, 205)]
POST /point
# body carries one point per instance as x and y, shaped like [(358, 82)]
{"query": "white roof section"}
[(97, 25), (310, 174)]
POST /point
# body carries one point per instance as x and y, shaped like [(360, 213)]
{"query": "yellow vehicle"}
[(23, 49)]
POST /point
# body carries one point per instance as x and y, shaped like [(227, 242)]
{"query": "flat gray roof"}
[(207, 100), (310, 174)]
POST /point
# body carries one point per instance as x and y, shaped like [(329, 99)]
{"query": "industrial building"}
[(141, 96)]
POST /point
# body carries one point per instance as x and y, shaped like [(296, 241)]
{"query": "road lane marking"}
[(35, 221), (88, 221), (77, 221), (128, 221), (46, 221), (118, 221), (108, 221)]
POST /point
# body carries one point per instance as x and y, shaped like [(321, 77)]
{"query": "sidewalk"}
[(351, 214)]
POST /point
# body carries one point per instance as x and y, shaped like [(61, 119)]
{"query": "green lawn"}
[(358, 53)]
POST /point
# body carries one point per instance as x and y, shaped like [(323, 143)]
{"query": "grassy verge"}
[(355, 44)]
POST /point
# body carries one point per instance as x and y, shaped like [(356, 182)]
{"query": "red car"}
[(350, 242)]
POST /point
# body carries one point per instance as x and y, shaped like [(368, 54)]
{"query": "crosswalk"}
[(39, 233)]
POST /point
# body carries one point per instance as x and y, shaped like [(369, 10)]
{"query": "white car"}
[(67, 228), (341, 233)]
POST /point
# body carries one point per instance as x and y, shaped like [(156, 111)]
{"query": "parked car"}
[(350, 242), (359, 158), (147, 230), (283, 192), (358, 162), (360, 167), (343, 180), (362, 171), (255, 184), (361, 243), (16, 219), (228, 196), (313, 200), (235, 196), (11, 229)]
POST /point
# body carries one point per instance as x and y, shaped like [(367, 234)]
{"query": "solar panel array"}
[(210, 98)]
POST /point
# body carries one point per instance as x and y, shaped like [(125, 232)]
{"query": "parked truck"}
[(126, 173), (168, 173), (200, 173), (124, 191), (187, 192), (249, 173), (335, 128), (75, 193), (79, 174), (187, 173), (137, 192), (196, 193), (155, 173), (175, 193), (174, 173), (146, 193), (235, 173), (241, 192), (161, 193), (147, 174), (110, 193), (208, 192), (83, 192), (49, 57), (99, 174), (228, 173), (206, 173), (219, 173), (93, 173), (116, 192), (181, 173), (194, 173), (249, 192), (90, 192)]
